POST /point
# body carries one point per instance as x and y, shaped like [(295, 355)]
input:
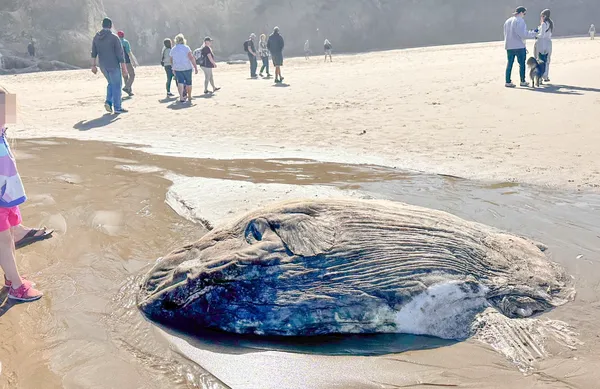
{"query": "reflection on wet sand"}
[(109, 224), (107, 205)]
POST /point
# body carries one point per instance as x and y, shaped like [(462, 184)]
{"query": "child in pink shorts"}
[(12, 194)]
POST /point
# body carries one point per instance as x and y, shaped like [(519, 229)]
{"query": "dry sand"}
[(438, 109)]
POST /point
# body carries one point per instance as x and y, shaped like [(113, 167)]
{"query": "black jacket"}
[(275, 43)]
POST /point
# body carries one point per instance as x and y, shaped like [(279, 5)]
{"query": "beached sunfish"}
[(312, 267)]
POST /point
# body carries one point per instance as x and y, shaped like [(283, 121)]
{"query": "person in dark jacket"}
[(275, 45), (31, 48), (107, 48), (250, 49)]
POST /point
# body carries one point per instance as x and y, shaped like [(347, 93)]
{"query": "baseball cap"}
[(207, 39), (121, 34)]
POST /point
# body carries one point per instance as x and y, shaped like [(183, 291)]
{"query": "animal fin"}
[(523, 341), (305, 235)]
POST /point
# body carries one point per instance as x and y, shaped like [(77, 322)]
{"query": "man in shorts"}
[(275, 44)]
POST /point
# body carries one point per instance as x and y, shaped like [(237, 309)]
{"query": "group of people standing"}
[(327, 48), (112, 55), (515, 35), (271, 47), (179, 62)]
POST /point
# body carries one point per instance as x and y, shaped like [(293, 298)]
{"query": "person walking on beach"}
[(183, 63), (107, 48), (515, 33), (327, 47), (592, 32), (13, 195), (207, 64), (167, 63), (250, 48), (130, 62), (543, 44), (307, 50), (263, 51), (275, 44)]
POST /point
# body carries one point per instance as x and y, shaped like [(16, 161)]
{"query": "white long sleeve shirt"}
[(544, 31), (515, 33), (544, 39)]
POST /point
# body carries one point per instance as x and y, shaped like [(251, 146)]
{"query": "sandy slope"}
[(439, 109)]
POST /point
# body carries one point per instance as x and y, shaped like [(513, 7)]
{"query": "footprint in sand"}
[(109, 222)]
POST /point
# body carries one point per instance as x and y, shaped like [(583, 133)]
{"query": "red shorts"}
[(9, 217)]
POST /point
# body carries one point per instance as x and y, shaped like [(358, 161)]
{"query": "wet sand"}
[(109, 224), (437, 110), (108, 206)]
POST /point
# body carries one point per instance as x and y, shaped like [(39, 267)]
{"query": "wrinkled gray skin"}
[(350, 266)]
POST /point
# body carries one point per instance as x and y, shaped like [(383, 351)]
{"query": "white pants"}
[(208, 77), (547, 47), (592, 35)]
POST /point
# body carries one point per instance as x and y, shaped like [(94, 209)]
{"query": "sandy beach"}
[(433, 127), (438, 110)]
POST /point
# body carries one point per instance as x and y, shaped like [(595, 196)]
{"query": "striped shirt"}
[(12, 192)]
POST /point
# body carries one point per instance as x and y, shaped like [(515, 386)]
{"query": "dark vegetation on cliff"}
[(63, 28)]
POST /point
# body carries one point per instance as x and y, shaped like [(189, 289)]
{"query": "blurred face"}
[(8, 108), (208, 43)]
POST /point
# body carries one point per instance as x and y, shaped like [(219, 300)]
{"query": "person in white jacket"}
[(543, 45), (592, 31), (515, 33)]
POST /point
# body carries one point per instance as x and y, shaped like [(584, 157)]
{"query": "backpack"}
[(246, 43), (200, 58)]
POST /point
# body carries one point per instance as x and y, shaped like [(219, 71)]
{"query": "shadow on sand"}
[(168, 100), (357, 344), (102, 121), (560, 89), (5, 302), (179, 105), (281, 85)]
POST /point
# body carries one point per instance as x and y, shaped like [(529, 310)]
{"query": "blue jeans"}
[(521, 55), (113, 90), (265, 64), (253, 65)]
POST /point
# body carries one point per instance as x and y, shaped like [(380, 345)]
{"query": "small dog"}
[(537, 68)]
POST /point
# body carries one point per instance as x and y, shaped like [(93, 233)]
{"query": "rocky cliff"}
[(64, 28), (352, 25)]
